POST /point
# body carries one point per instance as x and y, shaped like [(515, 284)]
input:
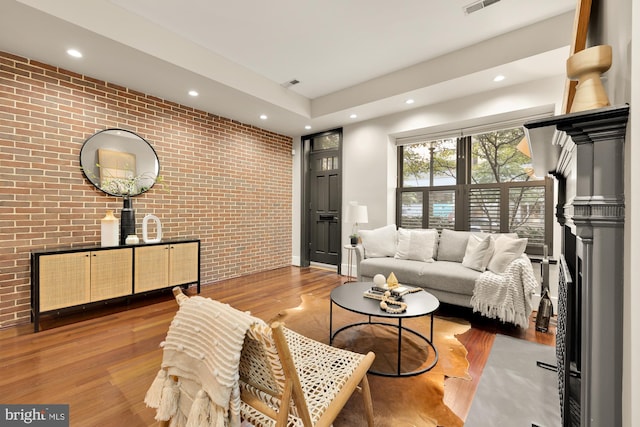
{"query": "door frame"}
[(305, 216)]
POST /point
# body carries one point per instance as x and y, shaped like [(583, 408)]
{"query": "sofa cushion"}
[(479, 252), (452, 245), (451, 277), (442, 275), (506, 250), (407, 271), (418, 245), (380, 242)]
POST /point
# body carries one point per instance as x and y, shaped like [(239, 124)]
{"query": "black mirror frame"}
[(93, 178)]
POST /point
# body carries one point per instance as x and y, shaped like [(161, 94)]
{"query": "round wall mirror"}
[(119, 162)]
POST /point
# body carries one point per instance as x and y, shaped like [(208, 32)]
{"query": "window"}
[(442, 205), (330, 141), (482, 182), (411, 209), (430, 163)]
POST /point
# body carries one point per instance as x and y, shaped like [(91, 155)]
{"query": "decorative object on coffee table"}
[(379, 280), (392, 281)]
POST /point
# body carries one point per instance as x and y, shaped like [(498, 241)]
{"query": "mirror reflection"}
[(119, 162)]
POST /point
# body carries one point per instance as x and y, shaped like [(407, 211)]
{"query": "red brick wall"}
[(227, 183)]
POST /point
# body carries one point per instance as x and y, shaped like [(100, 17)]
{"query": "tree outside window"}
[(495, 157), (429, 164)]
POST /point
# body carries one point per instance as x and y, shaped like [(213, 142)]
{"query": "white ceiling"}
[(351, 56)]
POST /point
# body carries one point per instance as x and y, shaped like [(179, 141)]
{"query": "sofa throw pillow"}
[(416, 245), (479, 252), (506, 250), (380, 242), (452, 245)]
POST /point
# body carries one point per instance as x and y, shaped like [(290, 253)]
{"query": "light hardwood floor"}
[(101, 361)]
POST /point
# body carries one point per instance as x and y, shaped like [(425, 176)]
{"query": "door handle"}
[(328, 217)]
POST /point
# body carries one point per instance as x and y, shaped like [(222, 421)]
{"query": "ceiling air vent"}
[(476, 6), (290, 83)]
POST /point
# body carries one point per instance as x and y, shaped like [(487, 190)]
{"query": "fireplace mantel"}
[(591, 159)]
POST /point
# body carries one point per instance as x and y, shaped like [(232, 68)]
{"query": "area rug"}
[(513, 390), (398, 402)]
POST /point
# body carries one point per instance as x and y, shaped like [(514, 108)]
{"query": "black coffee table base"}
[(398, 373)]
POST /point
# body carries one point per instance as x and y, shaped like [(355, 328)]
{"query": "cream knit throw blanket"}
[(506, 296), (202, 349)]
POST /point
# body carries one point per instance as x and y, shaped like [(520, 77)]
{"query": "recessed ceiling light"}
[(498, 78), (75, 53), (193, 93), (353, 116), (307, 127), (409, 101), (263, 116)]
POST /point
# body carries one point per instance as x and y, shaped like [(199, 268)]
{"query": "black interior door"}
[(325, 198), (325, 208)]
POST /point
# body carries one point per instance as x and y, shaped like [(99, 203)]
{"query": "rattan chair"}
[(289, 380)]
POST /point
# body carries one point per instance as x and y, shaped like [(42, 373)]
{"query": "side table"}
[(351, 249)]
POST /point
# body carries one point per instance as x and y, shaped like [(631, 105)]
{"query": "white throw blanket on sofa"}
[(506, 296)]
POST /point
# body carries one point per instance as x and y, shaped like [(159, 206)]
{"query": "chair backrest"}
[(270, 387), (268, 375)]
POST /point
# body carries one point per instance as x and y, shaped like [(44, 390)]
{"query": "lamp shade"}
[(361, 216), (356, 214)]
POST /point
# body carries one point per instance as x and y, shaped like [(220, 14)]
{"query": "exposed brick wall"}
[(227, 183)]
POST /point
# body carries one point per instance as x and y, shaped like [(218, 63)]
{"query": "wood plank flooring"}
[(102, 361)]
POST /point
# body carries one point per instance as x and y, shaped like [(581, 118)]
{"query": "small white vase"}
[(109, 230)]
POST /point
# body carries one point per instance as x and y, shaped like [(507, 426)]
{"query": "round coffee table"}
[(350, 296)]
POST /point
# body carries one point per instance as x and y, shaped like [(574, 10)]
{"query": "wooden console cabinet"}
[(162, 266), (65, 278)]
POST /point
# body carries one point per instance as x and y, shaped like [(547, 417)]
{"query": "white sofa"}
[(488, 272)]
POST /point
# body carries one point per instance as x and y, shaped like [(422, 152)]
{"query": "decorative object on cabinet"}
[(132, 239), (82, 277), (145, 229), (109, 230), (127, 220)]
